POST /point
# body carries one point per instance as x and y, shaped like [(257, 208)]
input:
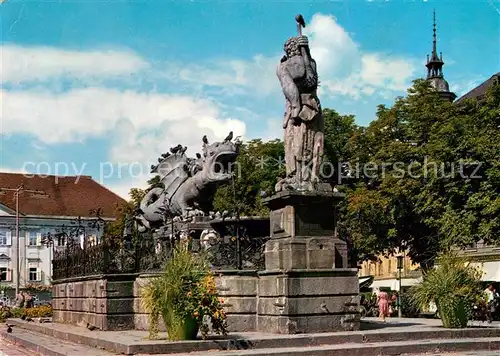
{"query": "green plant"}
[(42, 311), (8, 312), (34, 287), (183, 295), (408, 308), (453, 286)]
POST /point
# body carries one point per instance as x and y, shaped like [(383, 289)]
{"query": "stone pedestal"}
[(306, 286)]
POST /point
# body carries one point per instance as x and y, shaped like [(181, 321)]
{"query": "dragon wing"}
[(173, 171)]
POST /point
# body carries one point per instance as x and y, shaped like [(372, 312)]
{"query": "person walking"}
[(383, 305), (492, 296)]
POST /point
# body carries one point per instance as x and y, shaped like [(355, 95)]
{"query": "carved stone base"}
[(308, 301), (303, 214), (306, 287), (305, 253)]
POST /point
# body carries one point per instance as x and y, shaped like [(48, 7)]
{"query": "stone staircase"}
[(59, 339)]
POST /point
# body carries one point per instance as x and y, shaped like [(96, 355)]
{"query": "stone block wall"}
[(254, 301), (277, 303), (106, 302), (239, 291), (141, 318)]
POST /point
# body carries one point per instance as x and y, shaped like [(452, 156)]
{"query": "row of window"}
[(385, 267), (32, 238), (34, 274)]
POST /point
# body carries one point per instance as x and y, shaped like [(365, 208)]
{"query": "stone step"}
[(131, 342), (429, 347), (44, 345)]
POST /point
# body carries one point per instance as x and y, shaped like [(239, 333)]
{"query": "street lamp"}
[(400, 259)]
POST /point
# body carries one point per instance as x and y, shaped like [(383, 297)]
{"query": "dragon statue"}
[(188, 183)]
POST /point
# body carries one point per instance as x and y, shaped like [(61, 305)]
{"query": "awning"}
[(393, 283), (365, 282), (405, 282), (491, 270)]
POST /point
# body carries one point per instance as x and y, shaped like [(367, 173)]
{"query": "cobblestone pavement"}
[(7, 349)]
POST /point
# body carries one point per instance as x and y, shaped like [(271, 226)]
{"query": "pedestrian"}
[(393, 305), (492, 296), (383, 305)]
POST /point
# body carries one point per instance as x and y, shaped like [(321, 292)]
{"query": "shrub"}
[(453, 286), (408, 308), (42, 311), (184, 295)]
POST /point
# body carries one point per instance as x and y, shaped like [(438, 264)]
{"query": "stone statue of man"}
[(303, 121)]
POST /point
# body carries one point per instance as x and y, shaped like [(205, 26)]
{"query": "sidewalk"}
[(7, 349), (420, 322)]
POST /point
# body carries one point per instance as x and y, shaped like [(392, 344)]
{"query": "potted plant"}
[(453, 286), (184, 296)]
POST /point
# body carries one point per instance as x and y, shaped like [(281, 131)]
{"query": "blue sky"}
[(103, 87)]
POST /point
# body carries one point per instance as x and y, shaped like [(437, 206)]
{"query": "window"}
[(34, 239), (4, 274), (35, 274), (5, 238), (31, 237)]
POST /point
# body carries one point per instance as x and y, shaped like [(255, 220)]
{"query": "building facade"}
[(386, 273), (46, 205)]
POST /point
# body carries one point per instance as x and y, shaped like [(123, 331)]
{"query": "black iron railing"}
[(232, 248)]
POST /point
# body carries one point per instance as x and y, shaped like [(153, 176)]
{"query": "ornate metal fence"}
[(236, 249), (233, 247)]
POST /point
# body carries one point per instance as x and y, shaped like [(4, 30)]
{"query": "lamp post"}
[(239, 262), (400, 268)]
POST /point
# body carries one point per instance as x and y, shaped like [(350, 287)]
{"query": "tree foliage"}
[(257, 169), (414, 188)]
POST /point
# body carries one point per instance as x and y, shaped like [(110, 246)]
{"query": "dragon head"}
[(219, 158)]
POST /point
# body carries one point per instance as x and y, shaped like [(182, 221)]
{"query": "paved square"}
[(7, 349)]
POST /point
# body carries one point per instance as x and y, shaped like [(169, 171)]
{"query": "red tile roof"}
[(61, 196)]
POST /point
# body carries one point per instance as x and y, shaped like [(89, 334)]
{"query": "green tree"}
[(257, 169), (461, 199), (402, 202), (137, 194), (338, 132)]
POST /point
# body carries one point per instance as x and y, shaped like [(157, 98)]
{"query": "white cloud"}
[(334, 51), (19, 64), (122, 187), (344, 68), (142, 124), (234, 75), (78, 114)]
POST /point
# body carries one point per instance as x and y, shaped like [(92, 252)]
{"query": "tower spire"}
[(435, 66), (434, 63), (434, 49)]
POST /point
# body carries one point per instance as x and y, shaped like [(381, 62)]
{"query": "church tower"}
[(435, 70)]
